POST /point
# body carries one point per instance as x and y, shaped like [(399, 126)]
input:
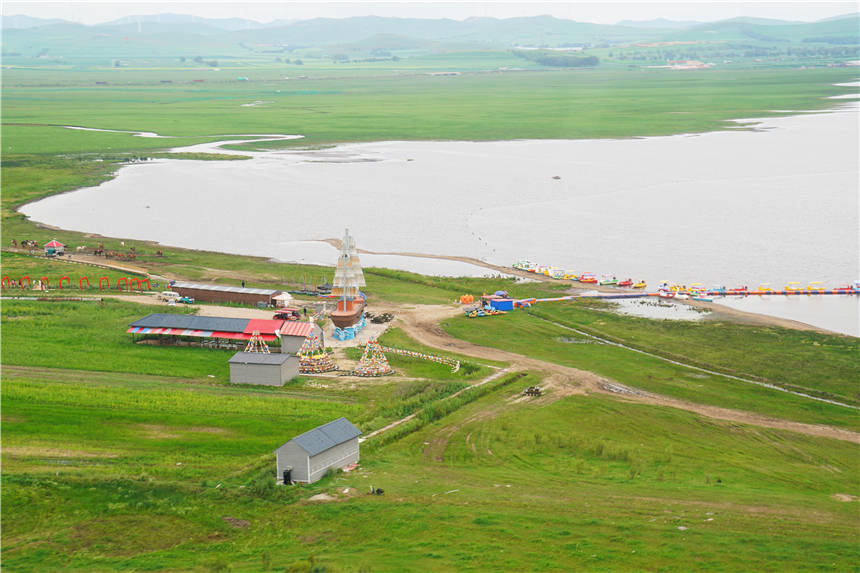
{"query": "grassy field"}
[(135, 457), (522, 105), (92, 480), (816, 363), (122, 456)]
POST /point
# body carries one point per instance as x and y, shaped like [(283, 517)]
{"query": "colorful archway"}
[(65, 279), (104, 280), (7, 282), (81, 283), (29, 282)]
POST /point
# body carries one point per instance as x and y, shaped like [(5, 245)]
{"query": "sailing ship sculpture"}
[(348, 278)]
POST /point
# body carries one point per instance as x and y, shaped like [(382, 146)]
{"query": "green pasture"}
[(136, 475), (92, 336), (523, 105), (531, 336)]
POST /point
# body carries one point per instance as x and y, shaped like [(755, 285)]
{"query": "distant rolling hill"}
[(176, 35)]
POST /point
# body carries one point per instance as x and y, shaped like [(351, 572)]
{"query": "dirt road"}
[(422, 324)]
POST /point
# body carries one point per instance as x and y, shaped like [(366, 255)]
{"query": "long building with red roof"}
[(291, 333)]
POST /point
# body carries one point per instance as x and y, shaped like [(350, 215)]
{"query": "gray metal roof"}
[(259, 358), (326, 436), (191, 322), (223, 288)]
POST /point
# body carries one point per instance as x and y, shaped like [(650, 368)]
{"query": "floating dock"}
[(507, 304)]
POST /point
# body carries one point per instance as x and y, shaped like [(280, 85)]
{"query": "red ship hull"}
[(348, 312)]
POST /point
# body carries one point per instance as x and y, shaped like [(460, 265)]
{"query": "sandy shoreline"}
[(718, 312)]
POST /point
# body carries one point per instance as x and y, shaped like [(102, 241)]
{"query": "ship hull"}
[(347, 313)]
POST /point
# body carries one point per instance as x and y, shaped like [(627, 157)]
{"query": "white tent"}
[(282, 299)]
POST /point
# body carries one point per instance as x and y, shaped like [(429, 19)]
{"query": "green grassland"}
[(816, 363), (521, 105), (584, 482), (102, 435)]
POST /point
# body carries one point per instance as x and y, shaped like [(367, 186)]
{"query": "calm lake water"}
[(775, 204)]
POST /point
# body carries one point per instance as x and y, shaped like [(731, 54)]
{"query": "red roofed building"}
[(293, 334)]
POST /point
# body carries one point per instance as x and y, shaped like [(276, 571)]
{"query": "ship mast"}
[(348, 276)]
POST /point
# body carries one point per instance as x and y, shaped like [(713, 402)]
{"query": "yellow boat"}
[(640, 284), (792, 286), (815, 286), (764, 287)]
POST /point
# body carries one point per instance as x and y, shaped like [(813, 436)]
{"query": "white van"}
[(169, 296)]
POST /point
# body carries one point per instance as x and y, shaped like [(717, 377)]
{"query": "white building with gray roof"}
[(307, 457)]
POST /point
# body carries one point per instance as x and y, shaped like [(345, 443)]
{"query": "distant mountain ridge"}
[(21, 21), (661, 23), (176, 35)]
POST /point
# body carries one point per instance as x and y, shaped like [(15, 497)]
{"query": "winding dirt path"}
[(422, 324)]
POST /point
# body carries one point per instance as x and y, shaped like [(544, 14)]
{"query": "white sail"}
[(348, 276)]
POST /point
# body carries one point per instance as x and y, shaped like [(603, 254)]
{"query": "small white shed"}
[(260, 368), (306, 458)]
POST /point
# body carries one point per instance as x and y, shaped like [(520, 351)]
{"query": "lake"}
[(773, 200)]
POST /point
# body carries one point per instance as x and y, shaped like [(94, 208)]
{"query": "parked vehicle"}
[(287, 314), (169, 295)]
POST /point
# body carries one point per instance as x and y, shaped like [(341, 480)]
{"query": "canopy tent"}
[(282, 299), (55, 248)]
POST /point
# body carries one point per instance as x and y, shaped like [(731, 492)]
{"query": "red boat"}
[(348, 312), (625, 283)]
